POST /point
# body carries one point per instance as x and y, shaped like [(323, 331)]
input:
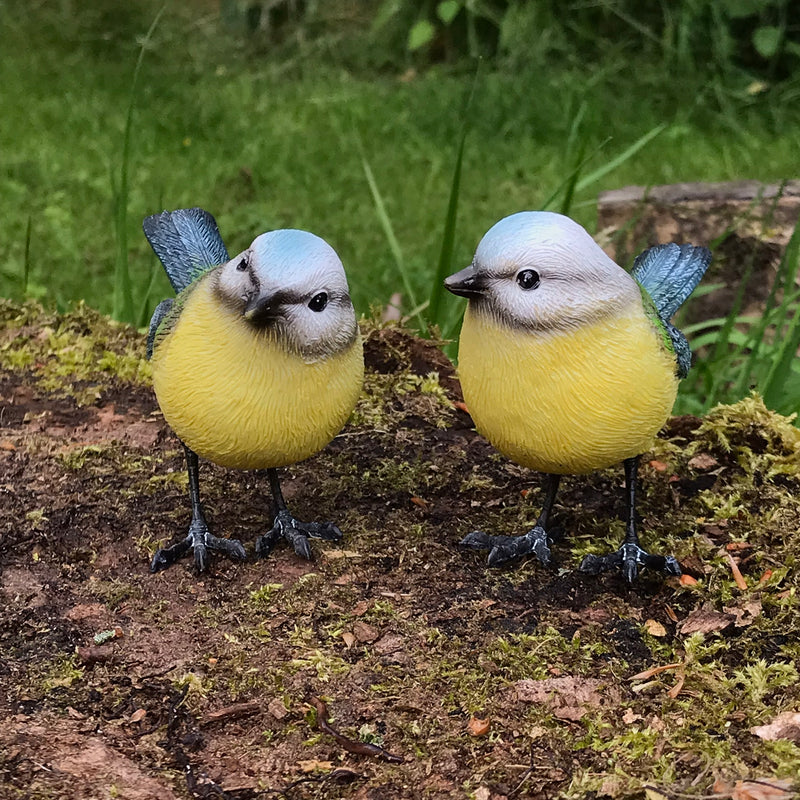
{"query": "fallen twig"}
[(230, 712), (351, 745)]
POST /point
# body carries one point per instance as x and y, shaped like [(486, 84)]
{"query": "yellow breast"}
[(567, 402), (238, 399)]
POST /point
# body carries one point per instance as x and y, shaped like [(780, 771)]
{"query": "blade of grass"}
[(388, 230), (788, 316), (561, 186), (449, 231), (569, 191), (757, 338), (626, 154), (26, 264), (123, 291)]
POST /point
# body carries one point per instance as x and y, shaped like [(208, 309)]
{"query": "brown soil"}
[(487, 683)]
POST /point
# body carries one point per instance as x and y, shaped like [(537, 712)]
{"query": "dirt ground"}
[(488, 684)]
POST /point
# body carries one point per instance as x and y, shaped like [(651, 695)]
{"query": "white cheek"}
[(235, 284)]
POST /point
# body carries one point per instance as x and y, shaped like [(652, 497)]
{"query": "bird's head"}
[(541, 271), (291, 285)]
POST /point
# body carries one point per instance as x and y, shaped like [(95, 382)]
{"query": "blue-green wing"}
[(680, 346), (669, 273), (187, 242), (159, 315)]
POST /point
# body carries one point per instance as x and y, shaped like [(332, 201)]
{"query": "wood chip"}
[(737, 575), (277, 708), (479, 727)]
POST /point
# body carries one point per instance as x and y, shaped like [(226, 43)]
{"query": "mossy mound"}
[(526, 682)]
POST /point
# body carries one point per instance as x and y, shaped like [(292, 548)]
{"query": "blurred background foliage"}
[(346, 117)]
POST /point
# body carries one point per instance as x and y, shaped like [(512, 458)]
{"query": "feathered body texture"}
[(570, 401), (569, 364), (238, 397)]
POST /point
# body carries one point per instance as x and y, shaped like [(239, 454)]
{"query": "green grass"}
[(290, 137)]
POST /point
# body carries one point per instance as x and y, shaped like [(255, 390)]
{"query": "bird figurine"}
[(257, 363), (570, 364)]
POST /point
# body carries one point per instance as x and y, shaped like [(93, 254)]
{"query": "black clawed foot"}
[(200, 541), (508, 548), (297, 534), (629, 558)]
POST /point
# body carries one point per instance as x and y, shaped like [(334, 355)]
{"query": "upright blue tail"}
[(187, 242), (669, 274)]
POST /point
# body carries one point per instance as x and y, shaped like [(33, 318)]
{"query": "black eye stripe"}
[(528, 279)]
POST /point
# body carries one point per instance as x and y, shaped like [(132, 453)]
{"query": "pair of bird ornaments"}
[(568, 363)]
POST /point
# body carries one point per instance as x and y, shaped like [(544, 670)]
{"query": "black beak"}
[(466, 283), (263, 309)]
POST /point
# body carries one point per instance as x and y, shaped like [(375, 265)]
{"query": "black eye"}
[(318, 301), (242, 265), (528, 279)]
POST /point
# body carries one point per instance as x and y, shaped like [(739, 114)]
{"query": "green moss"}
[(78, 353)]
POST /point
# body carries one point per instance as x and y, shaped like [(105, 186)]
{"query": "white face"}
[(292, 285), (543, 272)]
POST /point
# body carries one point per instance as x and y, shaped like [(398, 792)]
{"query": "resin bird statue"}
[(257, 363), (569, 364)]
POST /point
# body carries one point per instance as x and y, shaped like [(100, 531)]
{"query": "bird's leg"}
[(285, 526), (630, 555), (508, 548), (199, 539)]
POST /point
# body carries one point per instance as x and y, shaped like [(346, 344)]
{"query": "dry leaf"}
[(568, 697), (479, 727), (365, 633), (630, 716), (361, 608), (784, 726), (676, 689), (658, 466), (746, 614), (688, 580), (757, 789), (655, 628), (138, 715), (313, 765), (703, 461), (349, 639), (706, 620), (649, 673)]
